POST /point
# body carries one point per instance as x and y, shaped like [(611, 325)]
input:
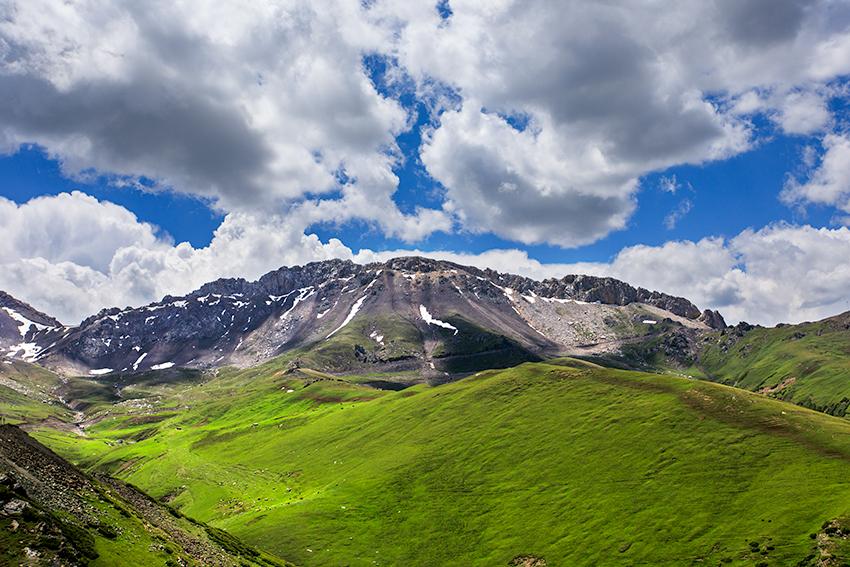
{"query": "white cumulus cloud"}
[(827, 183), (607, 92), (71, 255)]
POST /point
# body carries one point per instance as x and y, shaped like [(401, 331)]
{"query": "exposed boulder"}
[(713, 319), (14, 507)]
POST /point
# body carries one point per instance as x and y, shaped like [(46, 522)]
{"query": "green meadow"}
[(565, 461)]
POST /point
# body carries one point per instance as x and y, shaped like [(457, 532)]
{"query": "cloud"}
[(71, 255), (608, 94), (542, 125), (519, 185), (253, 105), (781, 273), (71, 227), (803, 113), (677, 214), (669, 184), (763, 22), (827, 183)]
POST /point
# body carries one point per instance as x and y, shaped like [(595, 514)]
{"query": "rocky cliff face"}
[(407, 309)]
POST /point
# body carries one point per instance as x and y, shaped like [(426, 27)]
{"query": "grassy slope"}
[(574, 463), (26, 393), (403, 340), (815, 355)]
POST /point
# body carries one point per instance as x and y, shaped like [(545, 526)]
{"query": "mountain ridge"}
[(236, 321)]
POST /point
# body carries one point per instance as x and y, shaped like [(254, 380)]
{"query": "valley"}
[(459, 433)]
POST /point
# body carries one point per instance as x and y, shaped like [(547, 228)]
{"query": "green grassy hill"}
[(808, 364), (564, 461)]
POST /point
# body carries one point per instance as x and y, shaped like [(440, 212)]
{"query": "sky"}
[(700, 148)]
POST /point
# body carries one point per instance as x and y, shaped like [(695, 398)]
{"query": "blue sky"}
[(702, 149)]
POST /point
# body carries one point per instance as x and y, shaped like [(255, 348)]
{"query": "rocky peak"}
[(223, 286), (100, 315), (285, 279), (419, 264), (27, 310), (713, 319), (608, 291)]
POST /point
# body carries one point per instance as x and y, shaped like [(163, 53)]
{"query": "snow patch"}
[(426, 316), (326, 311), (163, 366), (377, 338), (558, 300), (354, 309), (100, 371), (25, 324), (30, 350), (302, 295), (139, 361), (508, 292), (649, 322), (371, 283)]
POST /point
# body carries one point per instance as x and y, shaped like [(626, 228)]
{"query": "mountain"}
[(24, 331), (557, 463), (52, 513), (407, 314), (415, 319)]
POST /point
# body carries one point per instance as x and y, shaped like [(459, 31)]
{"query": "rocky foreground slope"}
[(408, 313), (51, 513)]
